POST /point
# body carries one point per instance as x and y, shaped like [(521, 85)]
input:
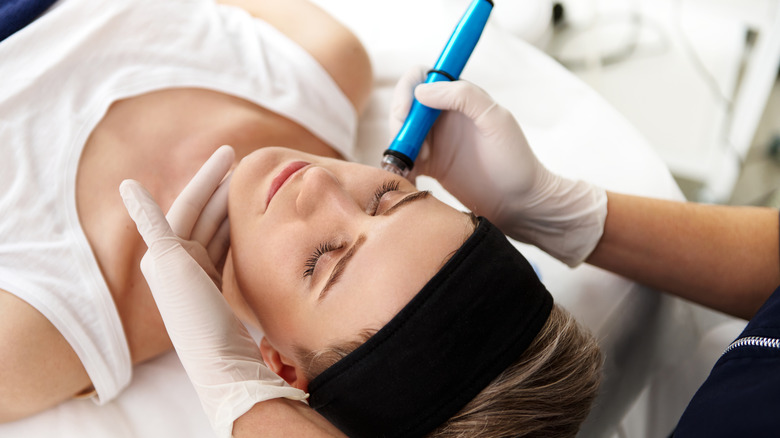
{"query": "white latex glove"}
[(220, 357), (478, 153)]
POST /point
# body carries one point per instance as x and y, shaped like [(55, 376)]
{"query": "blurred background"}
[(698, 78)]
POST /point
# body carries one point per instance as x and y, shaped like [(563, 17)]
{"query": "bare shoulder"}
[(331, 43), (39, 368)]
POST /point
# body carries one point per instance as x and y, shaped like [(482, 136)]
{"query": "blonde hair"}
[(547, 392)]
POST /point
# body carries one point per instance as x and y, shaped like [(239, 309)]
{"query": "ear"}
[(288, 370)]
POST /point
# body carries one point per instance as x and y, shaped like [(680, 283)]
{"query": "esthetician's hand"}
[(478, 152), (220, 357)]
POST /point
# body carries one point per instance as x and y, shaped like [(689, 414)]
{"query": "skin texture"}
[(283, 418), (159, 139), (402, 238), (725, 258)]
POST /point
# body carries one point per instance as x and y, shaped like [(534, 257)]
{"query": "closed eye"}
[(386, 187), (351, 251), (311, 262)]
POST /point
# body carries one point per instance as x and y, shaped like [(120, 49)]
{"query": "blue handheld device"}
[(399, 157)]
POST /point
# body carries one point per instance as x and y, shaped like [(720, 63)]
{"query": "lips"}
[(282, 177)]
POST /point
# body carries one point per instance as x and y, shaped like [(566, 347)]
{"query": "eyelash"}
[(386, 187), (311, 262), (325, 247)]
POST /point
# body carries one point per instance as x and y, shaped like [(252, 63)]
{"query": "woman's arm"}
[(38, 368), (726, 258), (283, 418), (334, 46)]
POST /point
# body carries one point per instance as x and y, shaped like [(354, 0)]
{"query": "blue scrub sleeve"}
[(741, 395), (16, 14)]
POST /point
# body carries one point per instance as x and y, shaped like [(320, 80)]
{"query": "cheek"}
[(264, 259), (233, 295), (268, 287), (253, 258)]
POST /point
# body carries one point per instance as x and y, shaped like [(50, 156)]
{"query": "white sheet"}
[(648, 338)]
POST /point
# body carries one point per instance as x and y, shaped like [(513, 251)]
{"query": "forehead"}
[(397, 259)]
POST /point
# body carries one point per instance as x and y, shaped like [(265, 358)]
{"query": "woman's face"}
[(323, 249)]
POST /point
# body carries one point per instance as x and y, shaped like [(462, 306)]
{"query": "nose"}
[(323, 194)]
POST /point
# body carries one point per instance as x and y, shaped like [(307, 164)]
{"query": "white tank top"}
[(58, 77)]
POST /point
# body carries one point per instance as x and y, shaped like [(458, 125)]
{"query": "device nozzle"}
[(394, 165)]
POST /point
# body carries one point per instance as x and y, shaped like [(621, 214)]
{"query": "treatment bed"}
[(657, 349)]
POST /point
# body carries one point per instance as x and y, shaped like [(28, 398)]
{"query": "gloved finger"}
[(186, 295), (219, 355), (420, 164), (187, 207), (145, 212), (219, 244), (403, 95), (214, 274), (213, 214), (461, 96)]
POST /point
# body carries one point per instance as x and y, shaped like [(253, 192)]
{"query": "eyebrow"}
[(341, 265), (422, 194)]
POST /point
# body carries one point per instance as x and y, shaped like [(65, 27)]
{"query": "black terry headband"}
[(473, 319)]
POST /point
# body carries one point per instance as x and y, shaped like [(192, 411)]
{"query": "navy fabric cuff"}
[(16, 14)]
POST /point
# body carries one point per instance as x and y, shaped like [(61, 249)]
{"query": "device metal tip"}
[(394, 165)]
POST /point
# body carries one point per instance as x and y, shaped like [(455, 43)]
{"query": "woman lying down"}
[(385, 310), (341, 253)]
